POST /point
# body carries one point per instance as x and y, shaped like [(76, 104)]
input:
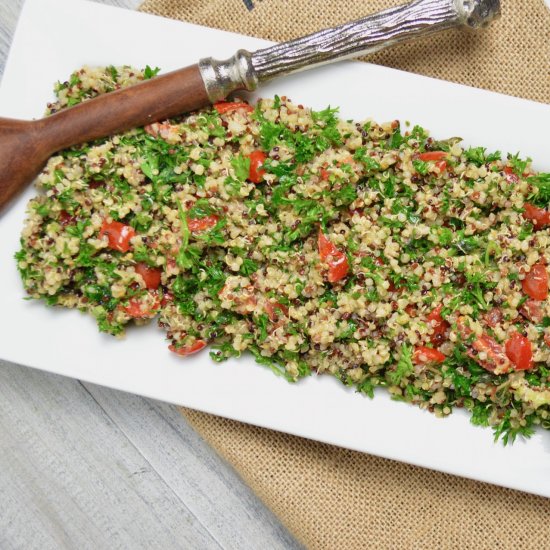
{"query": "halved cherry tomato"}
[(256, 174), (229, 106), (432, 155), (519, 351), (539, 216), (535, 284), (439, 325), (151, 275), (119, 235), (196, 346), (273, 310), (135, 309), (201, 224), (336, 260), (495, 360), (441, 165), (423, 355)]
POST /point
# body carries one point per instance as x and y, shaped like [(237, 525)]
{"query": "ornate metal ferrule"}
[(245, 70)]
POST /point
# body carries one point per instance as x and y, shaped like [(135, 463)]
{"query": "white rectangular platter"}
[(55, 37)]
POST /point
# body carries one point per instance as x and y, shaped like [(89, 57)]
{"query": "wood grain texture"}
[(26, 146), (162, 97), (23, 152), (186, 463), (88, 467), (70, 477)]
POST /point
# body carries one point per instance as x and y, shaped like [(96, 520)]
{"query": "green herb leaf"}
[(241, 165), (541, 196), (420, 166), (403, 368), (371, 164), (518, 165), (149, 73)]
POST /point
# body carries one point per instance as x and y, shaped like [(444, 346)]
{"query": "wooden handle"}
[(21, 157), (159, 98), (26, 146)]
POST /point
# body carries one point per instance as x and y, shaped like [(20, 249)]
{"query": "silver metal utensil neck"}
[(245, 70), (223, 77)]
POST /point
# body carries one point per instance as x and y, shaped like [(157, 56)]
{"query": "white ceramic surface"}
[(56, 36)]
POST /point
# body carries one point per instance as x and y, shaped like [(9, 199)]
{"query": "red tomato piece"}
[(539, 216), (136, 309), (201, 224), (510, 175), (423, 355), (519, 351), (432, 155), (441, 165), (167, 297), (493, 317), (411, 310), (464, 330), (229, 106), (119, 235), (151, 275), (324, 174), (133, 309), (188, 350), (326, 247), (273, 310), (535, 284), (256, 174), (439, 325), (435, 315), (532, 310), (337, 261), (496, 360)]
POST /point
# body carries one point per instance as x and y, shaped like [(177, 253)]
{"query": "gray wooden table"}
[(82, 466)]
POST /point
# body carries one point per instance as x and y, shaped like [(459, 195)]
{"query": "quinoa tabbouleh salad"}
[(368, 251)]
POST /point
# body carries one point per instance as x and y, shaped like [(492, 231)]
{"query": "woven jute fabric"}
[(332, 498), (512, 56)]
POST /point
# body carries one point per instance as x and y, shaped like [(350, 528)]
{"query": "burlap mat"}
[(333, 498), (512, 57)]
